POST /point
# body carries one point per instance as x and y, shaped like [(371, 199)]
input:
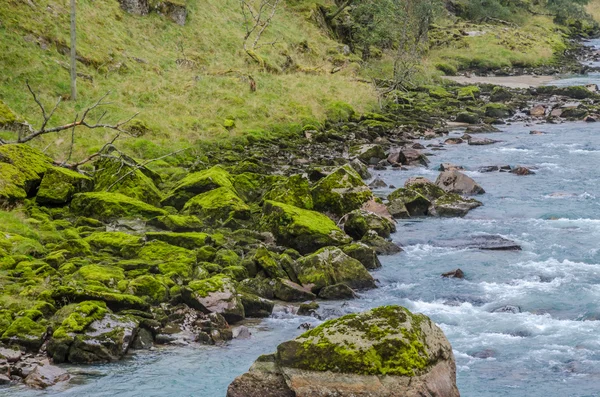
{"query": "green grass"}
[(136, 59)]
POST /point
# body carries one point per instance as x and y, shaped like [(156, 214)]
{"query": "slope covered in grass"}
[(185, 81)]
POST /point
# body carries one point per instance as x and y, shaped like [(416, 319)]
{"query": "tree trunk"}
[(73, 54)]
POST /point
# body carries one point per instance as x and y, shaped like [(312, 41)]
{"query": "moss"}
[(237, 273), (56, 258), (206, 254), (339, 111), (303, 230), (330, 266), (31, 162), (446, 68), (469, 92), (117, 243), (416, 204), (497, 110), (148, 287), (207, 286), (107, 206), (75, 247), (60, 184), (226, 257), (12, 185), (115, 301), (186, 240), (383, 341), (7, 116), (25, 332), (178, 223), (132, 181), (341, 192), (79, 317), (267, 261), (107, 275), (172, 261), (196, 183), (359, 222), (220, 206), (293, 190)]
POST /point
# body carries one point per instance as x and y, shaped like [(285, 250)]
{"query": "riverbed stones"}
[(330, 266), (217, 294), (408, 355), (43, 376), (305, 231), (408, 156), (340, 192), (457, 182), (359, 222)]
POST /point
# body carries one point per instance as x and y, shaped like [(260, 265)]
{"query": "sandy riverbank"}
[(525, 81)]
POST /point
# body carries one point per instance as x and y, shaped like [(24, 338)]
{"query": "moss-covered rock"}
[(364, 254), (293, 190), (128, 178), (289, 291), (415, 203), (114, 300), (25, 332), (255, 306), (340, 192), (12, 185), (172, 261), (116, 243), (330, 266), (178, 223), (107, 206), (452, 204), (60, 184), (31, 162), (217, 294), (197, 183), (218, 206), (191, 240), (368, 154), (303, 230), (380, 245), (147, 286), (497, 110), (387, 351), (359, 222), (470, 92), (269, 263), (109, 276), (252, 187)]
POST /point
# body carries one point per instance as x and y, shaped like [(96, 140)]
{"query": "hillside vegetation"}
[(192, 83)]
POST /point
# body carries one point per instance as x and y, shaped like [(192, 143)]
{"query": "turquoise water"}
[(550, 348)]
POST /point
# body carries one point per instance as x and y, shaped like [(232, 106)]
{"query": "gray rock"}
[(310, 365), (459, 183), (44, 376)]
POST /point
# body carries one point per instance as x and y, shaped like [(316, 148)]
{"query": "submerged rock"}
[(387, 351), (483, 242)]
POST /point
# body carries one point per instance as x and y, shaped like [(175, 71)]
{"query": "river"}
[(550, 348)]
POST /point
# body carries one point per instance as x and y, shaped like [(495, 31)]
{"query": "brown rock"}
[(453, 141), (522, 171), (44, 376), (454, 274), (457, 182), (537, 111)]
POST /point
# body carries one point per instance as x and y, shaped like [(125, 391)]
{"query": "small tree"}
[(73, 53), (257, 18)]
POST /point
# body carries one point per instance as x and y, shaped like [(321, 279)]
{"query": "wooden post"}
[(73, 54)]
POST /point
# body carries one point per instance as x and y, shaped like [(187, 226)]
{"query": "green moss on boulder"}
[(172, 261), (305, 231), (191, 240), (12, 185), (388, 340), (340, 192), (147, 286), (218, 206), (197, 183), (25, 332), (60, 184), (116, 243), (31, 162), (128, 179), (359, 222), (217, 294), (178, 223), (330, 266), (294, 191), (107, 206)]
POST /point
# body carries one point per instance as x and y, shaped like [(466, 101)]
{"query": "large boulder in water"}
[(305, 231), (459, 183), (359, 222), (341, 191), (387, 351)]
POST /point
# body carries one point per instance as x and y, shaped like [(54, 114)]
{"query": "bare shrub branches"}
[(256, 21), (33, 133)]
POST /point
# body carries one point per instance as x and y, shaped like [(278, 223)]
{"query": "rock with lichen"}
[(340, 192), (303, 230), (387, 351)]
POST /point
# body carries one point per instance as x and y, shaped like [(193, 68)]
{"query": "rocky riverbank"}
[(123, 256)]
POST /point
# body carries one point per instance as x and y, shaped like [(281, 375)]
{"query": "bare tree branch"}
[(256, 23), (78, 122)]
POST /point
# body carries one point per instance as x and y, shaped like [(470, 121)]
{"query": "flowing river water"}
[(546, 344)]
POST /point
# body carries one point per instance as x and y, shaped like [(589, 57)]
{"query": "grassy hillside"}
[(191, 83), (184, 80)]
